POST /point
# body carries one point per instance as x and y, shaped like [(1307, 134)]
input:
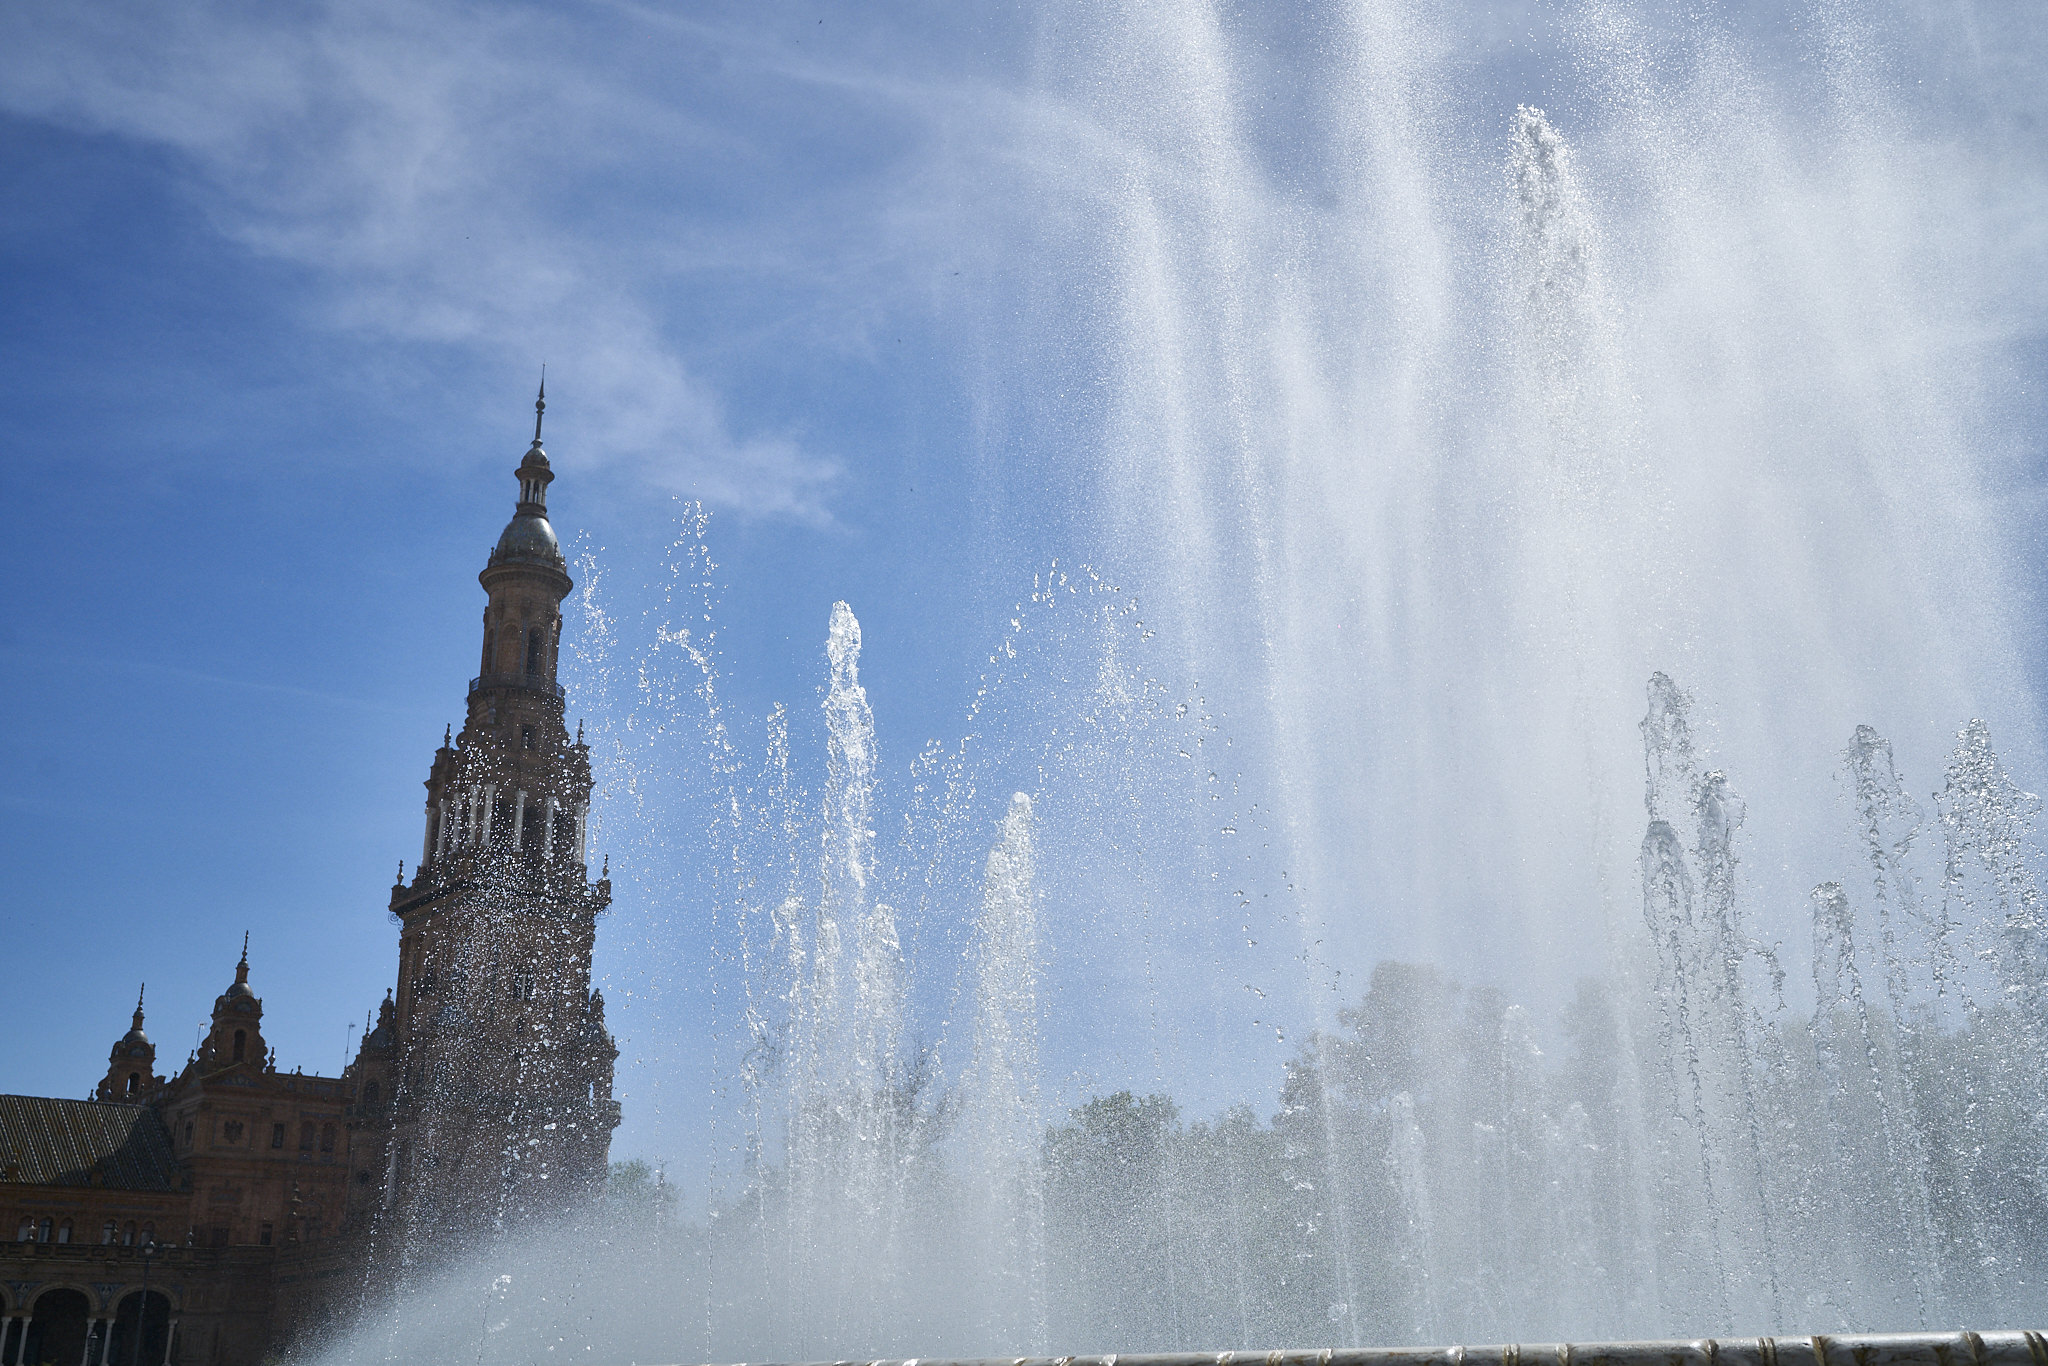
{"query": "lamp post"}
[(148, 1251)]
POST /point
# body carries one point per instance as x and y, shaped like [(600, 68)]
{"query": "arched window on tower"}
[(565, 834), (64, 1232), (241, 1044), (327, 1138), (134, 1083), (109, 1233), (533, 651), (503, 812), (490, 649)]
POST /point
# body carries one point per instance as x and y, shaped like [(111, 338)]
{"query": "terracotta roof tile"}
[(49, 1142)]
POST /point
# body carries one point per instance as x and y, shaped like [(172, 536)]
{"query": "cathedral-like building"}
[(260, 1208)]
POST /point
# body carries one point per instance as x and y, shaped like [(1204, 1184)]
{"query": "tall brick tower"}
[(494, 1055)]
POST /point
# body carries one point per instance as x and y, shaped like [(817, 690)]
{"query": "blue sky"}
[(279, 282), (278, 303)]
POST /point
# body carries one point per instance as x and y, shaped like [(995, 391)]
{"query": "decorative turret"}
[(237, 1034), (131, 1064)]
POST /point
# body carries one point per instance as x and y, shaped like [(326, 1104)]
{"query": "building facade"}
[(264, 1207)]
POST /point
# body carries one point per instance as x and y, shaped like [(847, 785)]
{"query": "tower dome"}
[(527, 537), (131, 1064)]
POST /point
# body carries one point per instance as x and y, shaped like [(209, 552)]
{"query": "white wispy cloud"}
[(518, 183)]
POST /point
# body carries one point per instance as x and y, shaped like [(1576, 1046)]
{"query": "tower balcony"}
[(530, 682)]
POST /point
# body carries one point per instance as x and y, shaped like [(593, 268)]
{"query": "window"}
[(109, 1233), (241, 1044), (490, 649), (27, 1232), (565, 834), (306, 1137), (47, 1232), (526, 737), (231, 1130), (128, 1234), (263, 1236), (148, 1232), (327, 1138), (533, 651), (277, 1135), (64, 1232), (370, 1094), (134, 1083), (188, 1133), (522, 986)]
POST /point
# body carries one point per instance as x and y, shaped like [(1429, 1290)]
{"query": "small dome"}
[(528, 537)]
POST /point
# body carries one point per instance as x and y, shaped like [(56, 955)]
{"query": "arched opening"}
[(27, 1232), (64, 1232), (110, 1232), (48, 1232), (241, 1044), (502, 814), (128, 1234), (490, 650), (370, 1094), (327, 1138), (56, 1331), (533, 651), (565, 835), (134, 1083), (156, 1331)]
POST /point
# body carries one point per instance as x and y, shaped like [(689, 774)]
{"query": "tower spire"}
[(242, 968), (534, 477), (138, 1004)]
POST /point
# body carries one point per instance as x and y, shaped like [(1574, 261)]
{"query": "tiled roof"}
[(49, 1142)]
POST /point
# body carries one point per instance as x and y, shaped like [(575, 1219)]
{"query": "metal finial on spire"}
[(447, 733), (540, 404), (245, 948)]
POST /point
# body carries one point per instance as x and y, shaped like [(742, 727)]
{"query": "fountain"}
[(1278, 955)]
